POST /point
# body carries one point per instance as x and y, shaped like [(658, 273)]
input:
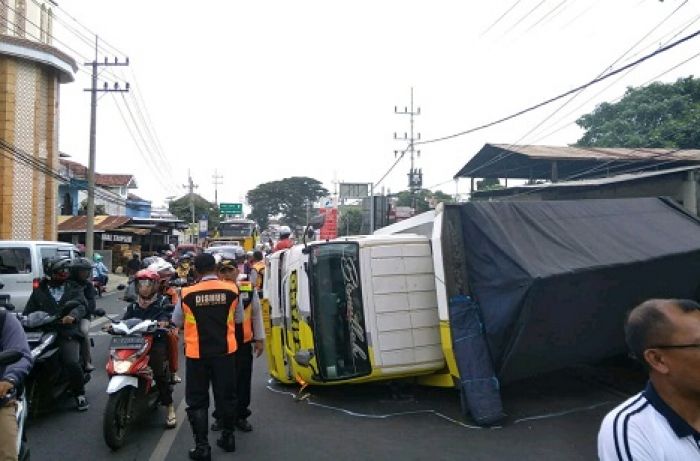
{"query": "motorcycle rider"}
[(80, 270), (166, 272), (284, 241), (151, 305), (100, 271), (12, 337), (57, 295), (250, 333)]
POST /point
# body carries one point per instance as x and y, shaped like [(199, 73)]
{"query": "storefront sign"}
[(116, 238)]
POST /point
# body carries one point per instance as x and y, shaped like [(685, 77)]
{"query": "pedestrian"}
[(663, 421), (133, 266), (285, 241), (206, 311), (250, 333), (12, 337)]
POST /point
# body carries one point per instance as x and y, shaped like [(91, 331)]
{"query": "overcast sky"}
[(270, 89)]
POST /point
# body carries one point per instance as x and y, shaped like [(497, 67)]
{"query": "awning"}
[(78, 224)]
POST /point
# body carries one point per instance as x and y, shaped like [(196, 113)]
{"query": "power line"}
[(565, 94), (517, 23), (546, 15), (500, 18)]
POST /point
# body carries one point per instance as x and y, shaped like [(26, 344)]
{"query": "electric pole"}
[(415, 176), (191, 186), (218, 181), (90, 227)]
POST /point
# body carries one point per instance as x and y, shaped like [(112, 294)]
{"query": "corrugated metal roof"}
[(536, 162), (101, 223), (600, 153)]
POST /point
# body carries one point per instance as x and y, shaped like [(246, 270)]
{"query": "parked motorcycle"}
[(47, 383), (132, 388)]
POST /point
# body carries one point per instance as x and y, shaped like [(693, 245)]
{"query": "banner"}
[(329, 230)]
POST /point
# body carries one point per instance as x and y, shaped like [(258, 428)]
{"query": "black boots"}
[(200, 430), (227, 441)]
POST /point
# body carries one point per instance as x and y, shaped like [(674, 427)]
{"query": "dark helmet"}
[(80, 263), (57, 268)]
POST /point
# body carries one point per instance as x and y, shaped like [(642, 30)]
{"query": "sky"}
[(260, 91)]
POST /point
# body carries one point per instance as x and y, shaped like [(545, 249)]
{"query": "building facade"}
[(31, 71)]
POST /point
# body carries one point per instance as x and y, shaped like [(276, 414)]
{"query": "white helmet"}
[(162, 267), (285, 230)]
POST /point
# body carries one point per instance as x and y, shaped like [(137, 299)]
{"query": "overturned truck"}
[(498, 291)]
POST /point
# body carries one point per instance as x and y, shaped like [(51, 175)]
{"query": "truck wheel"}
[(116, 418)]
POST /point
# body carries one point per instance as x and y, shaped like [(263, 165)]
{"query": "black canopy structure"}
[(553, 280), (553, 163)]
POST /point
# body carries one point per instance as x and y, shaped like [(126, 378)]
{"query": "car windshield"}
[(236, 229), (338, 316)]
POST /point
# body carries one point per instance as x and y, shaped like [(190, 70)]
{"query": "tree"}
[(99, 209), (288, 198), (350, 220), (423, 199), (489, 184), (658, 115), (181, 208)]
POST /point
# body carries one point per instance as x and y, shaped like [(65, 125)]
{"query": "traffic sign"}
[(231, 208)]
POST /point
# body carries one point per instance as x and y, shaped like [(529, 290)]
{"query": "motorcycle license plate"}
[(34, 336), (127, 342)]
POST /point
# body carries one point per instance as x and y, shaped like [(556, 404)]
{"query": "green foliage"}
[(287, 197), (99, 209), (181, 209), (350, 220), (489, 184), (657, 115), (423, 198)]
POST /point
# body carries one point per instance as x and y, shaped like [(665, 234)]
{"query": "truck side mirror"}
[(303, 357)]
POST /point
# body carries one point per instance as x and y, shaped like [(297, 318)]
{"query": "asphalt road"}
[(552, 417)]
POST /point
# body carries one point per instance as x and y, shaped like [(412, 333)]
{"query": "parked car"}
[(21, 266)]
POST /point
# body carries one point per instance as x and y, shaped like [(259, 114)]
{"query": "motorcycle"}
[(8, 358), (100, 287), (47, 383), (132, 388)]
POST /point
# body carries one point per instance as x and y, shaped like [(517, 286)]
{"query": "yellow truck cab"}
[(353, 310)]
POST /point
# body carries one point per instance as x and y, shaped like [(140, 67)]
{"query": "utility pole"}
[(90, 227), (415, 176), (191, 186), (218, 181)]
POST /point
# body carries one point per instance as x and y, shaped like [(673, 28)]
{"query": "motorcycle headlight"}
[(122, 366)]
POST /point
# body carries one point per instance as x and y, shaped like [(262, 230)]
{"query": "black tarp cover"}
[(554, 279)]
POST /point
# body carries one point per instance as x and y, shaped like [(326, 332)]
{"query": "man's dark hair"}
[(647, 324), (204, 263), (257, 255)]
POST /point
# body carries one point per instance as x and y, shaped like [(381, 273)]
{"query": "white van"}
[(21, 267)]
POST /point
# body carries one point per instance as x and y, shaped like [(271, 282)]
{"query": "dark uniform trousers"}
[(244, 373), (220, 373)]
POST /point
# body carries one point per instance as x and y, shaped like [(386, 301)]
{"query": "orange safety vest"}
[(246, 293), (209, 308), (259, 267)]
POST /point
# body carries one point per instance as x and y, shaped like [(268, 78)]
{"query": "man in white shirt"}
[(663, 421)]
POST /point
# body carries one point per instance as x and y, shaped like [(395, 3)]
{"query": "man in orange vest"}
[(207, 312), (250, 333)]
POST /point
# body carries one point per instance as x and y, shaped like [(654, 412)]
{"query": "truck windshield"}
[(338, 316)]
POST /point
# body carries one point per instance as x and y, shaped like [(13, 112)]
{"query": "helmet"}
[(147, 274), (285, 230), (80, 263), (249, 254), (163, 268), (56, 268), (146, 262), (97, 257)]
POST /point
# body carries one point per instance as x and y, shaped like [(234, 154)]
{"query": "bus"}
[(242, 231)]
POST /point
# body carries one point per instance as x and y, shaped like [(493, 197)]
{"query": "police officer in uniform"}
[(207, 311)]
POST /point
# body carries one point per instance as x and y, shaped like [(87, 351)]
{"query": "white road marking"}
[(160, 452)]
